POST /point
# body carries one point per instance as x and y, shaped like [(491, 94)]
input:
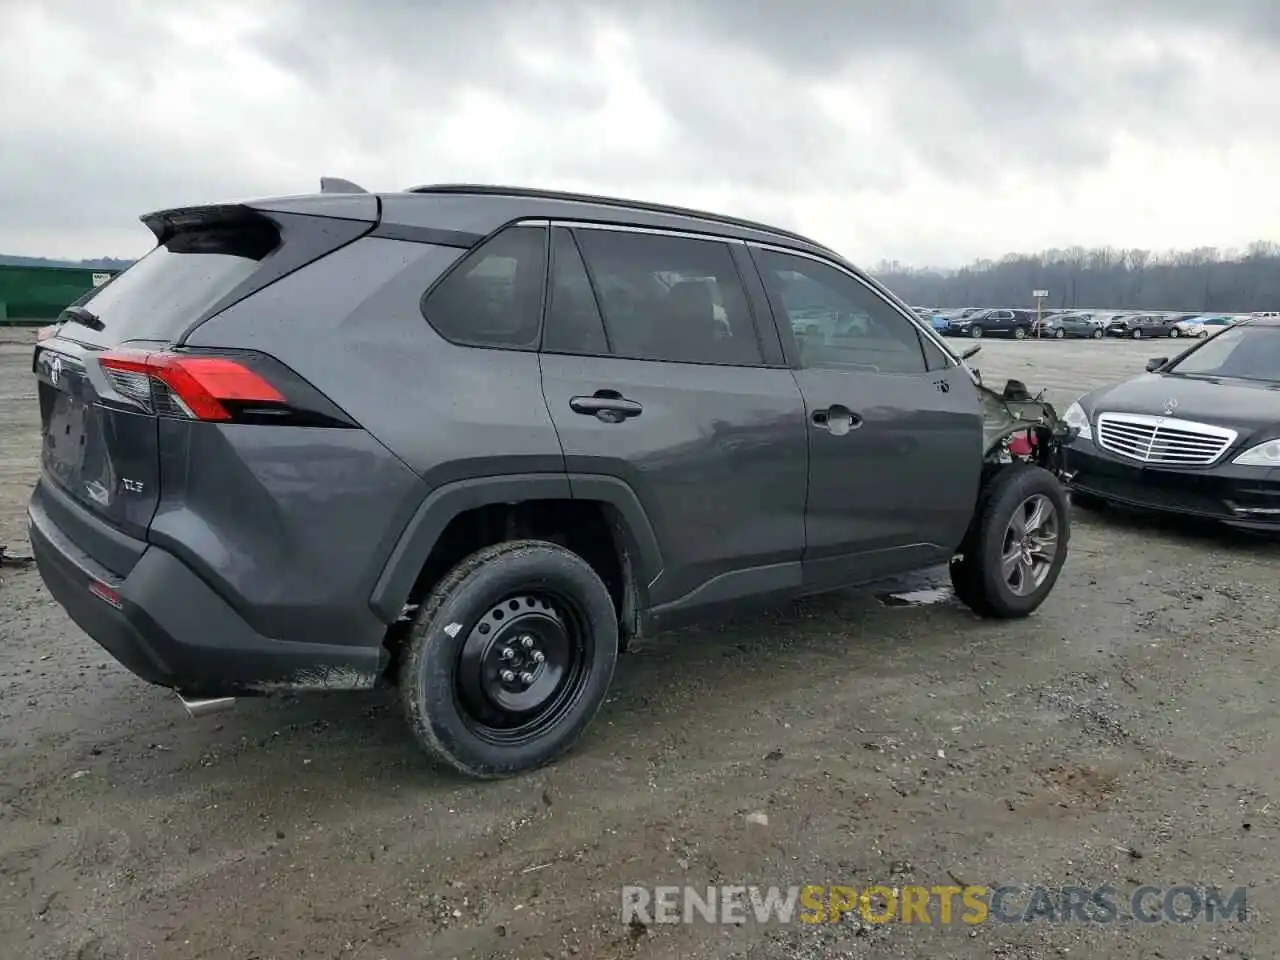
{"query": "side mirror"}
[(1155, 363), (971, 352)]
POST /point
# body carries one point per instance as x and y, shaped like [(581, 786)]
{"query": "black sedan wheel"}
[(1059, 333), (1174, 333), (975, 332), (1137, 334), (1097, 333), (509, 659)]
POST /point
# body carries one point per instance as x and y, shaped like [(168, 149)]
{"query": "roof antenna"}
[(338, 185)]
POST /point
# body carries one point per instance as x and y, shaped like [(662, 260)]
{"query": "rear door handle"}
[(836, 420), (608, 406)]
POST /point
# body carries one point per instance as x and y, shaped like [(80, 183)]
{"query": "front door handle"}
[(836, 420), (608, 406)]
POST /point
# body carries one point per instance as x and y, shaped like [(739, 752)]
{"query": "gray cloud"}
[(971, 92)]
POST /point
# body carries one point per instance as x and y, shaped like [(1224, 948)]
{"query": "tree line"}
[(1205, 280)]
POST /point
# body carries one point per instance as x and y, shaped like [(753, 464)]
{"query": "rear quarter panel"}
[(289, 518)]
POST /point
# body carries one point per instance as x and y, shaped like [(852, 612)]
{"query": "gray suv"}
[(472, 440)]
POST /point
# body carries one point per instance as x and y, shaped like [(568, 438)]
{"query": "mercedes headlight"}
[(1076, 418), (1263, 455)]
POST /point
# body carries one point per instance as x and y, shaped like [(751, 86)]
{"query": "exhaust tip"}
[(202, 707)]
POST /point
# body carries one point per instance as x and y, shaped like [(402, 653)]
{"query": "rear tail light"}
[(217, 387)]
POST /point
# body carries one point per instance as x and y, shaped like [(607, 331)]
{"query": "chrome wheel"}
[(1030, 545)]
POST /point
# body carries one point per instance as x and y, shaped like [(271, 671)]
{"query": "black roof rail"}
[(338, 185), (538, 194)]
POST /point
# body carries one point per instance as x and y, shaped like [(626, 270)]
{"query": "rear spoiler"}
[(166, 224)]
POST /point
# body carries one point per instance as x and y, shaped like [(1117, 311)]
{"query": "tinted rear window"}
[(174, 284)]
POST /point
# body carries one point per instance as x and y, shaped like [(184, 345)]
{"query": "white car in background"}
[(1203, 326)]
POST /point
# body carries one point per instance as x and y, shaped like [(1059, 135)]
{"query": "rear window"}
[(157, 297)]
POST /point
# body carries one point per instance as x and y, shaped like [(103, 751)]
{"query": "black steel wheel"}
[(509, 659)]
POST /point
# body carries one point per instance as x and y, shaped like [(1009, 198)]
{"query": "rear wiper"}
[(81, 315)]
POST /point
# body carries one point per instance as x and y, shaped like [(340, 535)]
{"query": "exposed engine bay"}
[(1019, 426)]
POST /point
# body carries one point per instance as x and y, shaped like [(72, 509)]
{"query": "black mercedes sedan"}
[(1196, 435)]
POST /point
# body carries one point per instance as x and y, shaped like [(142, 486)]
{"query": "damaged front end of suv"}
[(1020, 427)]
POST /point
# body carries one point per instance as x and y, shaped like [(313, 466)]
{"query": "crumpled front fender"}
[(1015, 410)]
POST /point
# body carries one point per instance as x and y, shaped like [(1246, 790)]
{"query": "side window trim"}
[(783, 327), (592, 283)]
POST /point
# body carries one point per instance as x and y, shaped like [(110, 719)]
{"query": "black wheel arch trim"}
[(407, 558)]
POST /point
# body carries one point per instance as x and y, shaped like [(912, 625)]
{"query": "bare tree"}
[(1202, 279)]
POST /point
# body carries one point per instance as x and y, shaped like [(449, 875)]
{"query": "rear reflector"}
[(194, 387), (103, 592)]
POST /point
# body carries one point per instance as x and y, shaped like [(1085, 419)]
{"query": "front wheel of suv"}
[(1016, 545), (509, 659), (975, 332)]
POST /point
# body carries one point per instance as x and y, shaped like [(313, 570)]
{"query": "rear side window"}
[(493, 297), (670, 298), (170, 287)]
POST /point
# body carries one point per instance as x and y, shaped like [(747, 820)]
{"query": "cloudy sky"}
[(926, 131)]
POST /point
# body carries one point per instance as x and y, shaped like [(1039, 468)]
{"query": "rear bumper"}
[(165, 625), (1243, 497)]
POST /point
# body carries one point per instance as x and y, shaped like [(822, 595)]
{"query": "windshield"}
[(1242, 353)]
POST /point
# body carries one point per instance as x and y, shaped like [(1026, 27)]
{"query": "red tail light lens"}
[(191, 386)]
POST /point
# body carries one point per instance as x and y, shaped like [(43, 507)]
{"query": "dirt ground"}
[(1123, 735)]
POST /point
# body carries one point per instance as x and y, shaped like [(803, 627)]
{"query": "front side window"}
[(838, 321), (670, 298), (493, 298)]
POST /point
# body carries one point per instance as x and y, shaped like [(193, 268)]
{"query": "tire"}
[(1059, 334), (975, 333), (1097, 334), (1174, 333), (1202, 334), (449, 686), (977, 573), (1020, 333), (1137, 334)]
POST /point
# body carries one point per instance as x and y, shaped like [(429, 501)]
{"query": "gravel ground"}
[(1120, 736)]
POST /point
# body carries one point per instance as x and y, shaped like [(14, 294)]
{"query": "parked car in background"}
[(1194, 435), (1144, 325), (1072, 325), (999, 321), (1110, 320), (1202, 326)]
